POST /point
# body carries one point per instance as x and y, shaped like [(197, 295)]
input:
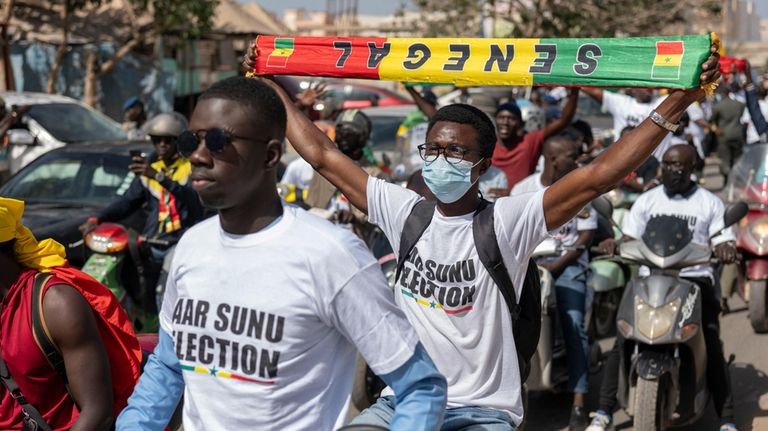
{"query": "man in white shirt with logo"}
[(561, 153), (680, 198), (449, 297), (629, 110), (265, 304)]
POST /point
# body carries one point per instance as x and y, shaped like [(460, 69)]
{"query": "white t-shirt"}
[(696, 113), (266, 325), (702, 210), (493, 178), (450, 299), (627, 111), (568, 233), (752, 136), (299, 173)]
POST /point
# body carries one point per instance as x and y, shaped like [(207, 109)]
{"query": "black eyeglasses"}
[(453, 153), (216, 140)]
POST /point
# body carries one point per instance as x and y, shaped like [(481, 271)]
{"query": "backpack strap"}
[(40, 329), (33, 420), (484, 234), (415, 226), (43, 336)]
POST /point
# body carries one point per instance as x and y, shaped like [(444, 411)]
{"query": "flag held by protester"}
[(662, 62)]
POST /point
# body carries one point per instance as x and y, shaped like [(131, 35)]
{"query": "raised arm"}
[(594, 92), (565, 119), (564, 199), (318, 150), (423, 105)]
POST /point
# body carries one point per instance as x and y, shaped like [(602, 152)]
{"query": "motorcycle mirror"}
[(603, 207), (735, 212)]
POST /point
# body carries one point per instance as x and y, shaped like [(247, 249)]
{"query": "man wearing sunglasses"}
[(161, 185), (265, 304), (445, 291)]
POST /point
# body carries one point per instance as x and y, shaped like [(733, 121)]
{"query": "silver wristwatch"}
[(159, 176), (662, 122)]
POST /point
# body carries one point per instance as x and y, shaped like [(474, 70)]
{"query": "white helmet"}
[(166, 124), (533, 117)]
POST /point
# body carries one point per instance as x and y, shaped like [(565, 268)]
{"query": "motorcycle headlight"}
[(759, 230), (655, 322)]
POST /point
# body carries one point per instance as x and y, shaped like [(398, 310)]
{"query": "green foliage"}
[(189, 17)]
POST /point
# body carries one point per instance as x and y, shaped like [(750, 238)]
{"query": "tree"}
[(139, 21), (562, 18)]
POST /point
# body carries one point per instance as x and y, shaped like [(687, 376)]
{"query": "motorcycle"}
[(606, 278), (116, 262), (662, 380), (549, 367), (749, 181)]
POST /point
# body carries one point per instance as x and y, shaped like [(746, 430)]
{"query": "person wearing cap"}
[(87, 403), (517, 151), (162, 185), (134, 118)]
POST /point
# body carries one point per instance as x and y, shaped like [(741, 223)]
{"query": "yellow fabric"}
[(391, 67), (29, 252), (670, 60), (179, 172)]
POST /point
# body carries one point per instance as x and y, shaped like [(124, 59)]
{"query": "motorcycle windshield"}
[(666, 235), (748, 179)]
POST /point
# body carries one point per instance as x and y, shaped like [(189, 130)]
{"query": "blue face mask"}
[(448, 181)]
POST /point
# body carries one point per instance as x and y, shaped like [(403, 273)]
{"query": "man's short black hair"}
[(257, 96), (466, 114)]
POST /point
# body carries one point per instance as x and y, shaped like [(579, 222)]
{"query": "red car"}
[(363, 96)]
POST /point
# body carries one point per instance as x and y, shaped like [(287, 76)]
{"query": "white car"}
[(51, 122)]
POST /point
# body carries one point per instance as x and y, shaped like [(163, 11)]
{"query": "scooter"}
[(607, 275), (116, 262), (752, 242), (549, 367), (662, 380), (748, 180)]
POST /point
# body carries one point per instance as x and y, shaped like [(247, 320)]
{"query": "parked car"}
[(51, 122), (65, 186)]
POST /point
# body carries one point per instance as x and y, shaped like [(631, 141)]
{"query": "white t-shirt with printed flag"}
[(702, 210), (568, 233), (627, 111), (266, 325), (450, 299)]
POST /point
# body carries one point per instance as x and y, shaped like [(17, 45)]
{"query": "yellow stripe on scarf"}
[(29, 252)]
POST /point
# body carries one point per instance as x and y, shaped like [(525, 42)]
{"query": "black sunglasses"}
[(215, 141)]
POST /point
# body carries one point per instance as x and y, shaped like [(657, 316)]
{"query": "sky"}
[(387, 7), (365, 7)]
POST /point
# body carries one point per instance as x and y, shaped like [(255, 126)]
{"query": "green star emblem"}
[(432, 304), (668, 59), (214, 371)]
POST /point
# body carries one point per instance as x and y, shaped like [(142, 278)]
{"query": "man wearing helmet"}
[(519, 147), (161, 184), (353, 130)]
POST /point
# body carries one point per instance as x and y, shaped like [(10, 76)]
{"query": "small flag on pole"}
[(283, 50), (669, 58)]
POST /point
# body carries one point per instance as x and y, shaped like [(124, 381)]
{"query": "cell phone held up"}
[(137, 155)]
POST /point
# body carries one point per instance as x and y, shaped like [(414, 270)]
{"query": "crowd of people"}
[(266, 305)]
